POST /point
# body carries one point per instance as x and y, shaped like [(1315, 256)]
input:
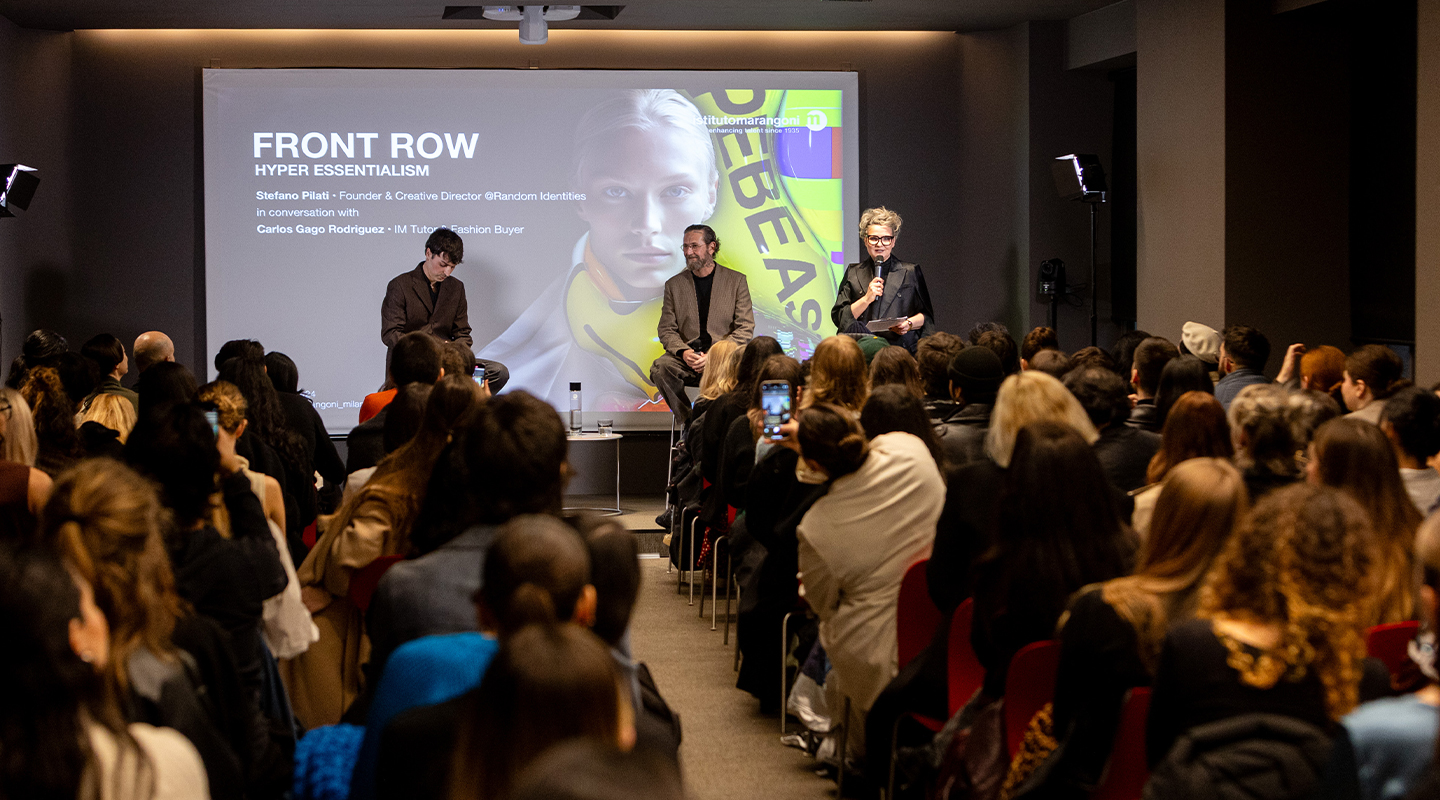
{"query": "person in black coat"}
[(884, 287), (302, 418)]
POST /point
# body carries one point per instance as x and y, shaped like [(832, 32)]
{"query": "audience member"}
[(1148, 361), (737, 450), (105, 425), (151, 348), (723, 411), (837, 375), (891, 366), (1280, 633), (855, 544), (974, 377), (1052, 362), (1180, 375), (1323, 370), (933, 355), (1000, 343), (1264, 442), (402, 421), (1372, 374), (1307, 410), (1202, 341), (302, 418), (64, 735), (372, 523), (1124, 450), (514, 446), (1411, 421), (1037, 340), (1243, 353), (272, 446), (17, 429), (162, 384), (1199, 431), (1058, 530), (982, 328), (40, 349), (1111, 640), (1355, 457), (239, 348), (590, 769), (415, 358), (719, 378), (54, 416), (1093, 356), (1122, 353), (893, 408), (107, 353)]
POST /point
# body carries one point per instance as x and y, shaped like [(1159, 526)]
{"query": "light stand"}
[(1053, 288), (1080, 177), (17, 186)]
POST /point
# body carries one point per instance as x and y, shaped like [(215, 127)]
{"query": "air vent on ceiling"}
[(586, 12)]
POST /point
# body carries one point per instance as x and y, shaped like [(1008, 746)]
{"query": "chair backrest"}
[(1029, 685), (363, 583), (916, 617), (966, 674), (1128, 769), (1391, 643)]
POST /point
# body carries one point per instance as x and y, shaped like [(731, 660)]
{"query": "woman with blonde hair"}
[(1280, 628), (17, 429), (721, 362), (23, 489), (1112, 632), (838, 375), (373, 522), (114, 411), (882, 286), (1355, 457), (1032, 396)]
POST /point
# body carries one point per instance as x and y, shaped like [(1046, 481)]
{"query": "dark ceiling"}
[(799, 15)]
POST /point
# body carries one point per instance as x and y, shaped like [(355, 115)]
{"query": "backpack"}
[(1247, 757)]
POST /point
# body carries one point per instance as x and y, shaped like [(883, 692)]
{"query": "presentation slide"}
[(570, 189)]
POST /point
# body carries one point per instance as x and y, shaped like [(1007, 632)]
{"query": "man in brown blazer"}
[(428, 299), (703, 304)]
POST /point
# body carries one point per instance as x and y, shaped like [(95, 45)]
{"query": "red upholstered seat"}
[(1127, 772), (1029, 685), (916, 617), (362, 585), (1390, 643)]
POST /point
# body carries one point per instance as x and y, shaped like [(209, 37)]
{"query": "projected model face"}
[(879, 241), (642, 188)]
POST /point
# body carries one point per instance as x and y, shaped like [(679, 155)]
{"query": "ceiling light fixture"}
[(534, 20)]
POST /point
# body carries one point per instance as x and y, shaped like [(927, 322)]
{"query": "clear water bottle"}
[(574, 407)]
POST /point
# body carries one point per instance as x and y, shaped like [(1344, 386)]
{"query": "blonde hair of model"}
[(721, 364), (114, 412), (1032, 396), (880, 216), (18, 444)]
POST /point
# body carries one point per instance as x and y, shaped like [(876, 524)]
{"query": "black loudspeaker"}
[(1079, 177), (19, 186)]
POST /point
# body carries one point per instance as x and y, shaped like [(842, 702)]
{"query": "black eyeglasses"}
[(880, 239)]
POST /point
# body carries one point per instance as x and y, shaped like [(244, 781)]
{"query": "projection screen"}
[(323, 185)]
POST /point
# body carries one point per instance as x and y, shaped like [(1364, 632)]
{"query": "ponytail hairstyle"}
[(548, 684), (106, 520), (1379, 367), (534, 574), (831, 437)]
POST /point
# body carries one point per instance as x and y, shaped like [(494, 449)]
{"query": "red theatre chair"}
[(1128, 771), (916, 617), (1029, 685), (1391, 644), (363, 583)]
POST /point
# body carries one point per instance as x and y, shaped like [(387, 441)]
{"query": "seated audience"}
[(1052, 362), (1122, 353), (64, 735), (1093, 356), (54, 415), (402, 422), (1372, 374), (1243, 353), (1202, 341), (837, 375), (107, 354), (855, 544), (1264, 441), (302, 418), (720, 377), (415, 358), (17, 429), (105, 425), (165, 382), (893, 408), (239, 348), (974, 378), (1323, 370), (1000, 343), (1280, 633), (589, 769), (890, 366), (1111, 640), (1058, 530), (1124, 450), (537, 561), (514, 446), (708, 447), (1355, 457), (1411, 421), (1199, 431), (23, 489), (1036, 341), (1307, 411), (372, 523), (41, 348), (1149, 360), (933, 355), (1180, 375), (151, 348)]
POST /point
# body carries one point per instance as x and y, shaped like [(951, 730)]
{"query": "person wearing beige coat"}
[(856, 543)]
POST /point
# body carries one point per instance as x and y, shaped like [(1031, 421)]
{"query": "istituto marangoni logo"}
[(816, 120)]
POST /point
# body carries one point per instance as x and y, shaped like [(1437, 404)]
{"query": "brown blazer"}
[(731, 316), (407, 308)]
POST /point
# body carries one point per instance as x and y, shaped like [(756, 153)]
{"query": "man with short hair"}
[(1000, 343), (1036, 341), (429, 299), (704, 304), (107, 353), (1124, 450), (933, 354), (415, 358), (152, 347), (975, 376), (1243, 353), (1147, 362)]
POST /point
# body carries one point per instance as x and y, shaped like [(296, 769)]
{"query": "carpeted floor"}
[(730, 751)]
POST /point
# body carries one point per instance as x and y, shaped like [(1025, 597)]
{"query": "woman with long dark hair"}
[(1181, 375), (302, 418)]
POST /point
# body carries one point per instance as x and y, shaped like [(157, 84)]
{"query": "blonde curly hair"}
[(1302, 562), (880, 216)]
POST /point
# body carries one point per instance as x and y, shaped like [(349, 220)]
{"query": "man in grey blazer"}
[(703, 304)]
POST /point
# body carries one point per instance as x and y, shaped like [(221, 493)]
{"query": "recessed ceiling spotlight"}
[(534, 20)]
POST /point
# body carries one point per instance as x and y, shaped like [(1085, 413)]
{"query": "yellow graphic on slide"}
[(625, 334)]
